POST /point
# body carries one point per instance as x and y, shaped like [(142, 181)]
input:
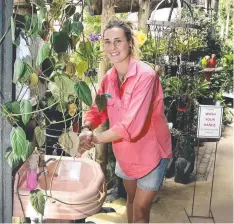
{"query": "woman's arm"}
[(93, 117), (106, 136)]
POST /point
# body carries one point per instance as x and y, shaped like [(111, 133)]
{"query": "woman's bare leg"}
[(130, 186), (142, 205)]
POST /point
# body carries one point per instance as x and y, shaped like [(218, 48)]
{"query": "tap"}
[(48, 160), (40, 173), (42, 162)]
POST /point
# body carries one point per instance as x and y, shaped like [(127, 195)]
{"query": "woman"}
[(138, 128)]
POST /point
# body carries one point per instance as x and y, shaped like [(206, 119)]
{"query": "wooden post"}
[(143, 15), (102, 149)]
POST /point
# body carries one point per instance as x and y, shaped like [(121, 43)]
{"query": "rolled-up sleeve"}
[(135, 116), (93, 115)]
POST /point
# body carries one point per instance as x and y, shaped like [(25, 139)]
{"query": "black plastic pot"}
[(185, 158), (206, 101), (181, 171), (170, 169)]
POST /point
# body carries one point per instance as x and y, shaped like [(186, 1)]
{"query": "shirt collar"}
[(132, 69)]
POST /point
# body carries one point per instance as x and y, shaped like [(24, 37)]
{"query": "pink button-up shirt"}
[(136, 113)]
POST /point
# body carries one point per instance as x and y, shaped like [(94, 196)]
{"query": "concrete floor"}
[(175, 198)]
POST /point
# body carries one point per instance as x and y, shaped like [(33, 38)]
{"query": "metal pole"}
[(6, 51), (195, 181), (212, 183)]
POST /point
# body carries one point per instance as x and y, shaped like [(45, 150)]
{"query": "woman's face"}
[(116, 45)]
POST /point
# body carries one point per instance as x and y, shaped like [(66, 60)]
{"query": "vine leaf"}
[(37, 201), (100, 101), (84, 93), (40, 136), (18, 69), (12, 159), (77, 28), (25, 110), (28, 151), (60, 41), (81, 67), (18, 141), (43, 53)]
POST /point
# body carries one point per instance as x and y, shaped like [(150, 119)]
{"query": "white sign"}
[(209, 121)]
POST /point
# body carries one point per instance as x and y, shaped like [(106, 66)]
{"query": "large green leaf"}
[(31, 24), (100, 100), (43, 53), (67, 27), (18, 69), (81, 67), (70, 10), (11, 108), (76, 17), (62, 87), (86, 49), (18, 141), (28, 152), (11, 158), (83, 92), (60, 41), (41, 18), (25, 110), (48, 66), (40, 136), (77, 28), (37, 201)]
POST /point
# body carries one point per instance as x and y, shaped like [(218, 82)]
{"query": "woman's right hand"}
[(86, 138)]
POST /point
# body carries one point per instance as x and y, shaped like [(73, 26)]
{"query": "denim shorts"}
[(153, 181)]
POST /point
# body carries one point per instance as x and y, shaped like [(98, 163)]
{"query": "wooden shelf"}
[(212, 69)]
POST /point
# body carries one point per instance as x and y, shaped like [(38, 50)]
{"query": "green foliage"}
[(18, 141), (64, 59), (93, 23), (37, 201), (43, 53), (25, 110), (18, 69), (12, 159), (28, 151), (40, 136), (191, 87), (226, 8), (100, 100), (60, 41), (84, 93)]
